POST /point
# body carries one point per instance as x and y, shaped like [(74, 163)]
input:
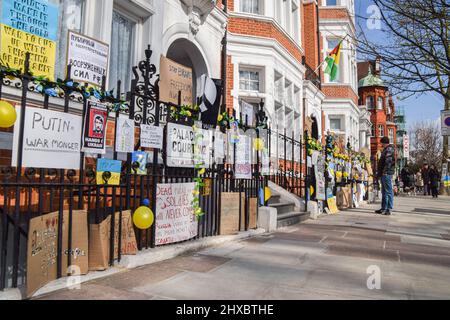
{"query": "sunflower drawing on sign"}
[(140, 157)]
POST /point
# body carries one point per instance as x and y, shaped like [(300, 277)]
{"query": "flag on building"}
[(332, 62)]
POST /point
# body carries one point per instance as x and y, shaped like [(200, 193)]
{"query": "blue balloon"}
[(146, 202)]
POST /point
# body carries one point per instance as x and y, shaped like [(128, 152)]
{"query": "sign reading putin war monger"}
[(29, 26)]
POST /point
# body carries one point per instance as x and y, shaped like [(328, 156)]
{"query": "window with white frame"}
[(121, 52), (71, 13), (249, 80), (250, 6), (380, 130), (391, 135), (295, 22), (335, 124), (330, 3), (380, 103), (370, 101)]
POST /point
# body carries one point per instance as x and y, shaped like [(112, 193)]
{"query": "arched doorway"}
[(186, 53), (315, 128)]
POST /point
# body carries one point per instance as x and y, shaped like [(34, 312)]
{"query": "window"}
[(380, 103), (370, 102), (332, 2), (391, 135), (250, 6), (335, 124), (249, 80), (295, 22), (380, 130), (122, 40), (71, 13)]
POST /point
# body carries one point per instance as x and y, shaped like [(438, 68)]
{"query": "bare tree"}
[(415, 49), (426, 143)]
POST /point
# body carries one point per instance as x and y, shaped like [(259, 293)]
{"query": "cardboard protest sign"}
[(152, 136), (112, 166), (88, 58), (79, 245), (344, 198), (175, 220), (252, 207), (332, 205), (42, 251), (51, 139), (125, 135), (174, 78), (94, 131), (29, 26), (229, 217), (100, 240)]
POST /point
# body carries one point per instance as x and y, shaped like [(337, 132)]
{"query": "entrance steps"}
[(288, 211)]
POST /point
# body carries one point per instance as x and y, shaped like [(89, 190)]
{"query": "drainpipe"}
[(224, 60)]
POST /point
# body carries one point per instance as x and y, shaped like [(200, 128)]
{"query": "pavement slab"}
[(332, 258)]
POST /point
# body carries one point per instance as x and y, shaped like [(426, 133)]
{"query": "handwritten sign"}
[(51, 139), (95, 128), (79, 248), (332, 206), (125, 135), (243, 158), (175, 219), (152, 136), (29, 26), (174, 78), (88, 58), (112, 166)]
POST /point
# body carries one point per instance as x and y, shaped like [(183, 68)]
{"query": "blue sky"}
[(418, 108)]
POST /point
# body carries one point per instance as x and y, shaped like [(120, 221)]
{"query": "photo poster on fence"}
[(94, 130), (248, 113), (152, 136), (175, 219), (88, 59), (125, 135), (265, 162), (112, 166), (219, 147), (51, 139), (243, 158), (42, 251), (175, 77), (141, 158), (29, 26)]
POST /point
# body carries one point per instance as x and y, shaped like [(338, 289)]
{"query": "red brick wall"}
[(332, 91), (230, 83), (334, 14), (309, 29)]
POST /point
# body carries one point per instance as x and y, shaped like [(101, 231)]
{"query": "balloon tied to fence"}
[(8, 115), (143, 217)]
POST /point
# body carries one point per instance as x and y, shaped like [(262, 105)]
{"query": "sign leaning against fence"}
[(51, 139)]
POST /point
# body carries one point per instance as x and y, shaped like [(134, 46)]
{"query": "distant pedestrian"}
[(386, 170), (426, 180), (419, 182), (408, 178), (434, 181)]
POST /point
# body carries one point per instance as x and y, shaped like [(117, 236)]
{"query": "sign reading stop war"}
[(175, 219), (51, 139), (174, 78)]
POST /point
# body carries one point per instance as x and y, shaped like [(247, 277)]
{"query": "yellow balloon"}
[(143, 218), (267, 194), (311, 190), (8, 114), (258, 144)]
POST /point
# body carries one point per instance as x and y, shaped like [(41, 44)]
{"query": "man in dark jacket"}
[(386, 169), (426, 180)]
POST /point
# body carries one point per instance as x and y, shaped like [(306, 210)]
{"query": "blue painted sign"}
[(36, 17), (109, 165)]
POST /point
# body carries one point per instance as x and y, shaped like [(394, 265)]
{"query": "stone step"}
[(283, 207), (291, 218), (275, 198)]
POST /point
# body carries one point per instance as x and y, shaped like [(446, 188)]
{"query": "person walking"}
[(419, 182), (426, 180), (434, 181), (405, 175), (386, 170)]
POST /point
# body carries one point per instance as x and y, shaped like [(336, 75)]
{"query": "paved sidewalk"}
[(326, 258)]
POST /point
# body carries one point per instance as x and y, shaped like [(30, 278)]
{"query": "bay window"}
[(250, 6), (249, 80)]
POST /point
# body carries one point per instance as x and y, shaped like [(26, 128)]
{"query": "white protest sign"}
[(179, 146), (219, 146), (88, 58), (175, 220), (243, 158), (152, 136), (247, 113), (125, 135), (51, 139)]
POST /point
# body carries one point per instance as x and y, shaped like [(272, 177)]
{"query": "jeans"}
[(387, 193)]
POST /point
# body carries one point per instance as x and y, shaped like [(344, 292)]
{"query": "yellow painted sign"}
[(16, 43), (332, 205)]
